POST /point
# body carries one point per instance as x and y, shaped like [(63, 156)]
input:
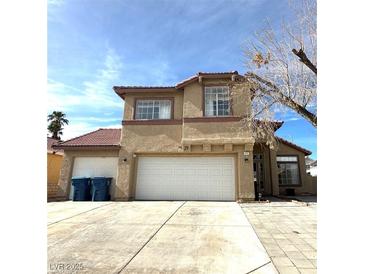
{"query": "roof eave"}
[(78, 147), (206, 76), (305, 151), (121, 91)]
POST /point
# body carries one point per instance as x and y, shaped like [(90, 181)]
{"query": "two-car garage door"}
[(185, 178)]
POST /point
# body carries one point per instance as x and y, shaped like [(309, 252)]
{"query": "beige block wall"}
[(64, 182), (54, 163)]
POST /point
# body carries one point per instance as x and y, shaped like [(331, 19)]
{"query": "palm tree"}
[(58, 120)]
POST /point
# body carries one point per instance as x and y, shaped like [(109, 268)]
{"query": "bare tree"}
[(282, 68)]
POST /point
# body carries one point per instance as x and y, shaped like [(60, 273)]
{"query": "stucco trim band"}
[(213, 119), (152, 122)]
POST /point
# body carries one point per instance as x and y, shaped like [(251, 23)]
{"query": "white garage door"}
[(95, 167), (185, 178)]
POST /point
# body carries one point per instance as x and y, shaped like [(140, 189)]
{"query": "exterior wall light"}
[(246, 154)]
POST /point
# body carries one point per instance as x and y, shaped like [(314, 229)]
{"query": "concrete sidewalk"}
[(154, 237)]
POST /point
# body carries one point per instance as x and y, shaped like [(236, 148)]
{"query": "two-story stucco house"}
[(185, 142)]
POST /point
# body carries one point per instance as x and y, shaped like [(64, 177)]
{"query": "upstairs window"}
[(217, 101), (288, 170), (153, 109)]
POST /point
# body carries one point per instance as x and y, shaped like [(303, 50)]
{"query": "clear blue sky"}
[(96, 44)]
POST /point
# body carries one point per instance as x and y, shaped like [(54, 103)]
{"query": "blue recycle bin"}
[(100, 188), (81, 189)]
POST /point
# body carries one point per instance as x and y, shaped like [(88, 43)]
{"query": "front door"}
[(258, 173)]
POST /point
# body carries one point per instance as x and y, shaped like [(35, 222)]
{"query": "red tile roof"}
[(218, 73), (103, 137), (195, 77), (122, 90), (286, 142), (145, 87)]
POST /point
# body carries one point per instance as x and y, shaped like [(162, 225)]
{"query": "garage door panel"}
[(185, 178), (95, 167)]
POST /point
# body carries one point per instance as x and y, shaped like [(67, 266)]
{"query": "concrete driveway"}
[(153, 237)]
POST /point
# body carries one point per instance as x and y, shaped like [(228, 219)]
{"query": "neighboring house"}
[(185, 142), (311, 166), (54, 162)]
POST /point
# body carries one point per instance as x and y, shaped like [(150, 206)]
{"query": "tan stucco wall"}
[(189, 102), (216, 132), (202, 138), (163, 138), (64, 182), (166, 140), (143, 139), (193, 99), (54, 162)]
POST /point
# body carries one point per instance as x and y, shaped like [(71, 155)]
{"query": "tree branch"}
[(283, 99), (304, 59)]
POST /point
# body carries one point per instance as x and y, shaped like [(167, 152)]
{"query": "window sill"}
[(152, 122), (213, 119)]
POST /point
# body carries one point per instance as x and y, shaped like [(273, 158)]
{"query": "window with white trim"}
[(217, 101), (288, 170), (153, 109)]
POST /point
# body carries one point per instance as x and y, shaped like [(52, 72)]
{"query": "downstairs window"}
[(288, 170)]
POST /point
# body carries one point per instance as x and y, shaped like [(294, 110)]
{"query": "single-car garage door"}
[(95, 167), (185, 178)]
